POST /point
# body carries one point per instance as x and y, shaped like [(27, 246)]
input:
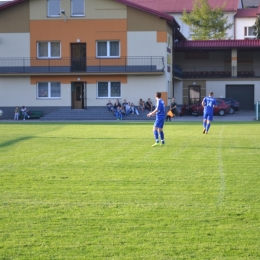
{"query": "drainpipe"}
[(173, 58)]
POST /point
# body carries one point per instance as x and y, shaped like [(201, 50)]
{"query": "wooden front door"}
[(78, 57), (77, 95)]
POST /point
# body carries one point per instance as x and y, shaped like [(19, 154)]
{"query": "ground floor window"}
[(108, 89), (48, 90)]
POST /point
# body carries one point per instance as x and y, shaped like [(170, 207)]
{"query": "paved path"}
[(239, 116)]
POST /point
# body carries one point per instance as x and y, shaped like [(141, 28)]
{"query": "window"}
[(108, 49), (48, 90), (77, 8), (53, 8), (48, 50), (249, 33), (108, 89)]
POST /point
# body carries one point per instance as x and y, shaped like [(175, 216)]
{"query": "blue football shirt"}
[(209, 103), (161, 109)]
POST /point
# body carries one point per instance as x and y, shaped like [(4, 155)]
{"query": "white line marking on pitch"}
[(221, 171)]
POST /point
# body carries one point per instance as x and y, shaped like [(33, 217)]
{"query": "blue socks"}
[(161, 136), (207, 127), (156, 136)]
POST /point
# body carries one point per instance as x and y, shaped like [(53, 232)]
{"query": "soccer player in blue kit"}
[(208, 103), (159, 111)]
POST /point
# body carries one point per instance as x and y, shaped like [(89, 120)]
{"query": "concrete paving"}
[(238, 116)]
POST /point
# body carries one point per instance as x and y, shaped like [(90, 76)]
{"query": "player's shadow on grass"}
[(14, 141)]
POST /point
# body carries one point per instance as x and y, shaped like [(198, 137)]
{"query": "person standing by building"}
[(159, 111), (173, 107), (208, 103), (16, 113)]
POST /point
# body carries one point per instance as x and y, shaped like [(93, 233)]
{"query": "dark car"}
[(233, 104), (221, 109)]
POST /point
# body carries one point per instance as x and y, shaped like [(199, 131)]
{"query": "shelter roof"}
[(217, 44)]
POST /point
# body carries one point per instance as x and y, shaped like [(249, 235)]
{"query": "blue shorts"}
[(159, 122), (208, 116)]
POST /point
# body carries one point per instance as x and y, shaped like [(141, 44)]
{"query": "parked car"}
[(188, 110), (221, 109), (233, 103)]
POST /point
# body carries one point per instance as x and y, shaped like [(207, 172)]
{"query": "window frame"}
[(49, 90), (246, 33), (48, 9), (71, 9), (108, 49), (49, 50), (109, 89)]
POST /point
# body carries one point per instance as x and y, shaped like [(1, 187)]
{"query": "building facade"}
[(77, 54)]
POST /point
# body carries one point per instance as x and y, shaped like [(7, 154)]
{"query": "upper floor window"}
[(48, 90), (108, 49), (108, 89), (48, 50), (53, 8), (77, 7), (249, 33)]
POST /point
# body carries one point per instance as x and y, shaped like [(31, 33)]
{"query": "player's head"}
[(158, 94), (211, 94)]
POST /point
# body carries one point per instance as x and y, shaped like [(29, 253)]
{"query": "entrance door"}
[(78, 57), (77, 95), (194, 95)]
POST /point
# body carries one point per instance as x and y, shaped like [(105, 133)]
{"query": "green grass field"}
[(100, 191)]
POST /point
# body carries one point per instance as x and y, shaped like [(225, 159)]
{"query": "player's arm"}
[(202, 103), (153, 112)]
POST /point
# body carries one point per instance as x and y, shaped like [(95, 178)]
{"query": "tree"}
[(257, 27), (207, 23)]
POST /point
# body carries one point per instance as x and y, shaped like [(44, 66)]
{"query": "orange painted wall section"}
[(68, 79), (161, 36), (164, 97), (88, 31)]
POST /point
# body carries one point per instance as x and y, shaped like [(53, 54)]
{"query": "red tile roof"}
[(244, 13), (146, 9), (177, 6), (217, 44)]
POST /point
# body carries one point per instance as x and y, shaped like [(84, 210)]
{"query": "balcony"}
[(188, 72), (88, 66)]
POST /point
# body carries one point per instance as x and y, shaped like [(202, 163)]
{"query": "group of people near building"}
[(24, 113), (127, 108), (145, 105)]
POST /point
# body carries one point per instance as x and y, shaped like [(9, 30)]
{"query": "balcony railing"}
[(82, 65), (240, 71)]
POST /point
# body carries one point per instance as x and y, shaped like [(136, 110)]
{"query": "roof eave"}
[(149, 10), (9, 4)]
